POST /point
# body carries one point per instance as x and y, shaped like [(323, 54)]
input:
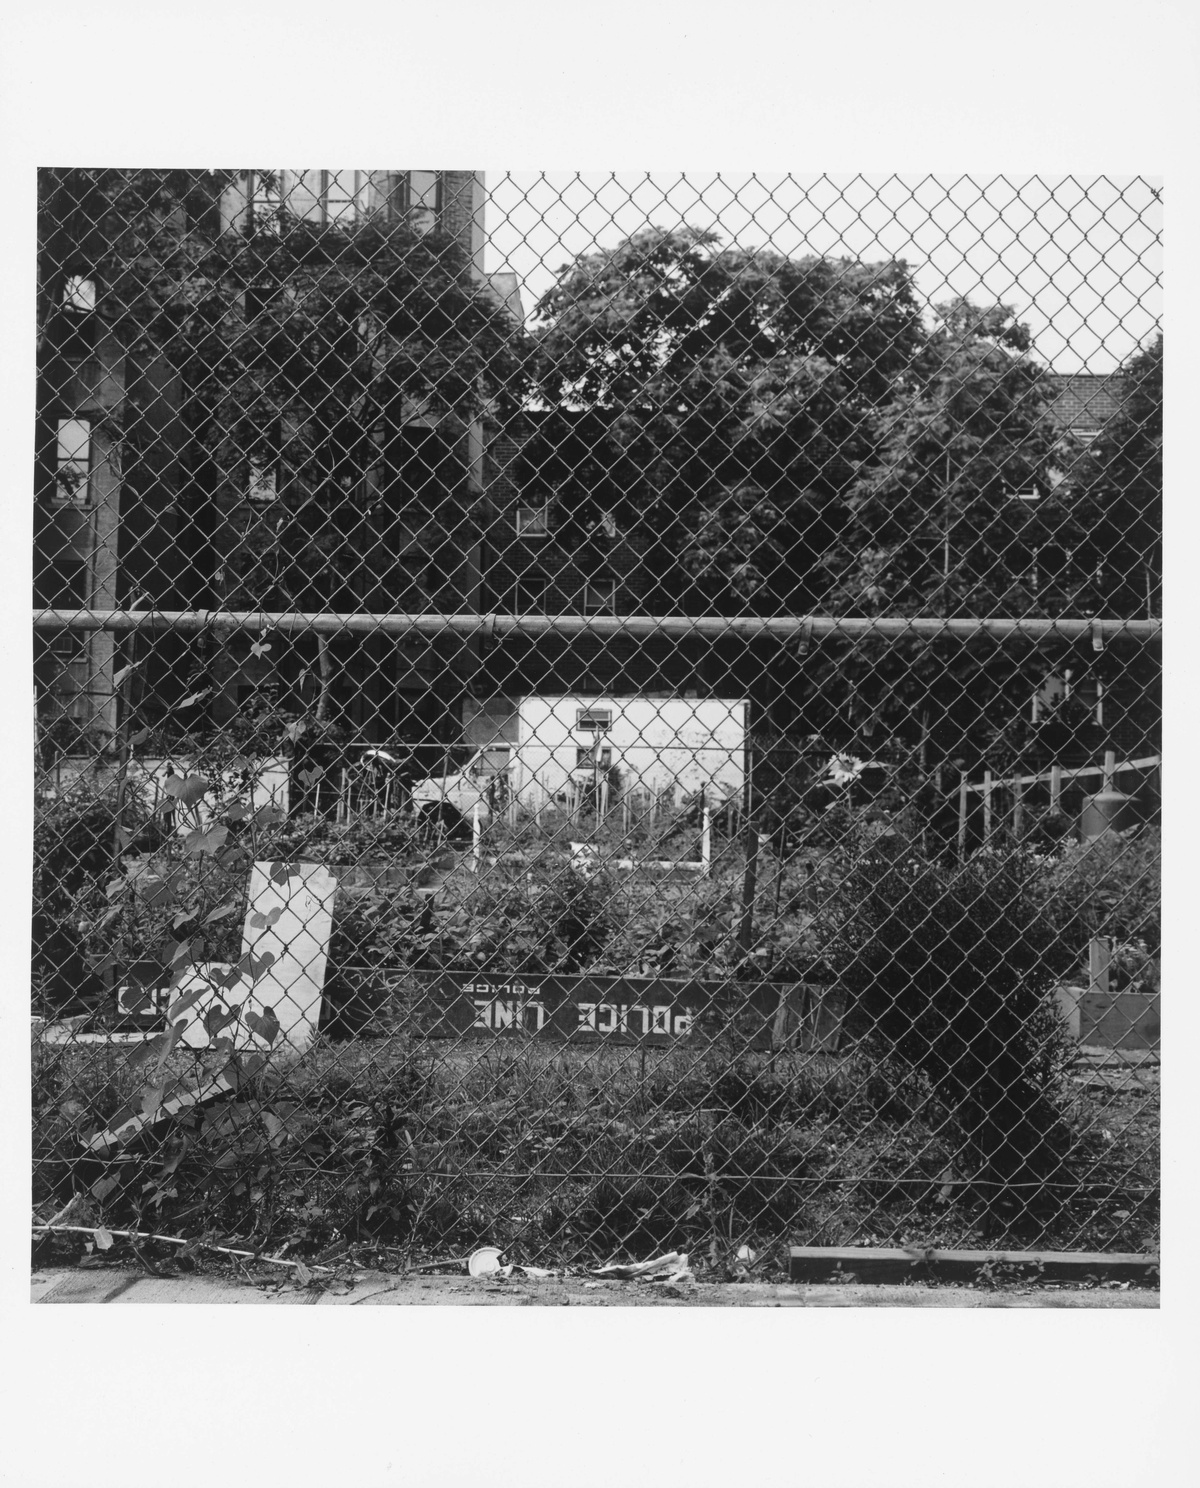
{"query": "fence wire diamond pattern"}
[(597, 715)]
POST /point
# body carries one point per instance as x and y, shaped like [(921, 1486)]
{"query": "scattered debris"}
[(682, 1272), (673, 1261), (99, 1231), (486, 1261)]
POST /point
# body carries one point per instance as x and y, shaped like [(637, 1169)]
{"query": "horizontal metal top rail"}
[(787, 628)]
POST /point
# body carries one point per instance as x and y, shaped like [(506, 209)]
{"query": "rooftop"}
[(1087, 400)]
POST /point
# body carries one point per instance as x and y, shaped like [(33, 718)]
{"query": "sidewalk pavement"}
[(376, 1288)]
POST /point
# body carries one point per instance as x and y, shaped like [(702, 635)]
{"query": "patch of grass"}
[(561, 1154)]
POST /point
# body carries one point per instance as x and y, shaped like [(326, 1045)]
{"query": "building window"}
[(71, 682), (1048, 697), (587, 756), (74, 461), (593, 720), (533, 521), (600, 596), (423, 199), (79, 294), (340, 196), (1058, 689), (264, 200), (529, 595), (262, 482)]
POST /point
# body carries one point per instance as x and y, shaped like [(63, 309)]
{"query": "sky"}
[(1078, 257)]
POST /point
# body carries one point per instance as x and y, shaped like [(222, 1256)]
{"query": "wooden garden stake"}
[(749, 888)]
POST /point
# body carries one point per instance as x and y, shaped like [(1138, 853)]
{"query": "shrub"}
[(949, 970), (1110, 887)]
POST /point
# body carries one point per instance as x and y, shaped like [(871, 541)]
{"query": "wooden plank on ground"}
[(871, 1264)]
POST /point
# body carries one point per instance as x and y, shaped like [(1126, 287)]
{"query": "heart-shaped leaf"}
[(217, 1018), (185, 952), (254, 965), (264, 919), (187, 789), (205, 840), (152, 1099), (177, 1009), (154, 892), (281, 872), (265, 1025)]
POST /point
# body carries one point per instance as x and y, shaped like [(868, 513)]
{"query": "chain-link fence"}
[(597, 714)]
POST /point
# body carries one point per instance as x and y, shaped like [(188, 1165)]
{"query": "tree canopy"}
[(802, 438), (1117, 488), (740, 383)]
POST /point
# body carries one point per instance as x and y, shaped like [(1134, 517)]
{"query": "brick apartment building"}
[(125, 509)]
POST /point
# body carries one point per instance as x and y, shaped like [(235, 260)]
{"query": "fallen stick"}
[(249, 1255)]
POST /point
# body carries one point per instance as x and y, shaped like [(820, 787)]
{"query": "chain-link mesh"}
[(597, 714)]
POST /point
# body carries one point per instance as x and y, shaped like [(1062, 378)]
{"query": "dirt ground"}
[(122, 1286)]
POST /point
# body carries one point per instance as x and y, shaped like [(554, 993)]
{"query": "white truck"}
[(545, 750)]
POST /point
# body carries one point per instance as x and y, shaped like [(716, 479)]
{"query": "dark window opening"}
[(600, 596), (528, 595)]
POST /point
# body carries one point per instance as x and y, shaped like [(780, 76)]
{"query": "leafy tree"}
[(951, 517), (1117, 489), (739, 383), (937, 520)]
